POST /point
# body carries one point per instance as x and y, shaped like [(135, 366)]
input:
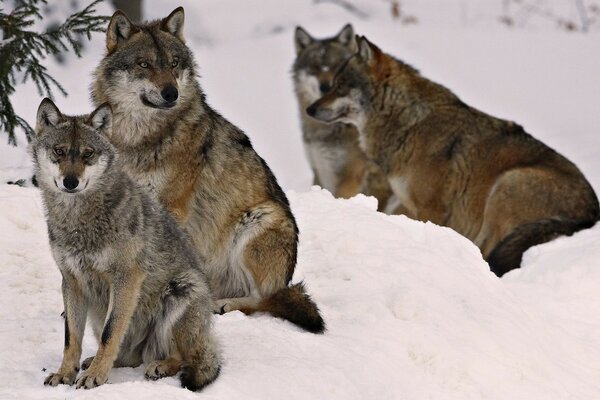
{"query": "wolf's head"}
[(318, 59), (71, 154), (147, 66), (353, 87)]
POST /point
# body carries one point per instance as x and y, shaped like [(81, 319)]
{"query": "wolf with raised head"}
[(125, 263), (202, 168), (337, 162), (454, 165)]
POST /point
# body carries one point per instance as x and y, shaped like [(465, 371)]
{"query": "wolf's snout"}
[(70, 182), (169, 94), (312, 110), (324, 87)]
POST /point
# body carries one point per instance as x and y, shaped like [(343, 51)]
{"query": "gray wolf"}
[(124, 261), (202, 168), (454, 165), (337, 162)]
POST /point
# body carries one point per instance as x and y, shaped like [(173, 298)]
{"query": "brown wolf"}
[(202, 168), (337, 162), (454, 165)]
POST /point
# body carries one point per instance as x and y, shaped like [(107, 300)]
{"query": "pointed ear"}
[(174, 23), (366, 50), (346, 35), (120, 28), (47, 115), (302, 39), (101, 119)]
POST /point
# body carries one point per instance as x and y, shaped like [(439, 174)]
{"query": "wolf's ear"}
[(120, 28), (366, 50), (47, 115), (174, 23), (101, 119), (302, 39), (346, 36)]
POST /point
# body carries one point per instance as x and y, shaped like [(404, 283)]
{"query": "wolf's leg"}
[(161, 368), (223, 306), (198, 347), (316, 180), (86, 363), (124, 294), (76, 312), (352, 179)]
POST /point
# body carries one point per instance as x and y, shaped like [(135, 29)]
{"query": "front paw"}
[(89, 379), (58, 378)]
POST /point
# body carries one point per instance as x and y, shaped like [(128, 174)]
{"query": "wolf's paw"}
[(60, 379), (161, 368), (222, 306), (86, 363), (89, 379)]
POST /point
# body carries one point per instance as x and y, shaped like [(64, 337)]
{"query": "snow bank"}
[(412, 312)]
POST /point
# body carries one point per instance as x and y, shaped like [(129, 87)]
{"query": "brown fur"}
[(200, 166), (454, 165)]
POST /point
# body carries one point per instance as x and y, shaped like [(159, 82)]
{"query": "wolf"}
[(337, 162), (124, 261), (202, 168), (454, 165)]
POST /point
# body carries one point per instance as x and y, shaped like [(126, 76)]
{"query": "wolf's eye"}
[(174, 63), (88, 153), (144, 64), (59, 152)]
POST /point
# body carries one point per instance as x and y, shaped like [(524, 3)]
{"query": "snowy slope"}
[(412, 309), (412, 312)]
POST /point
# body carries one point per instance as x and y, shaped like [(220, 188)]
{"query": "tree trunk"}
[(133, 8)]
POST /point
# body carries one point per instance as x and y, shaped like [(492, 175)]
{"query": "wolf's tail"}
[(293, 304), (202, 362), (507, 254)]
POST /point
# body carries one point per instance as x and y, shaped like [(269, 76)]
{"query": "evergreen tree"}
[(22, 52)]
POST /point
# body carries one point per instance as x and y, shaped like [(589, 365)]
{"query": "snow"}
[(412, 309)]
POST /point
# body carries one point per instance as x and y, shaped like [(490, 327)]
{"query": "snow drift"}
[(412, 311)]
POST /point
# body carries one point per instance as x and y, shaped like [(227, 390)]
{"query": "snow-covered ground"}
[(412, 310)]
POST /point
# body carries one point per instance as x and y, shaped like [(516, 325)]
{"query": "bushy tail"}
[(202, 365), (293, 304), (507, 254)]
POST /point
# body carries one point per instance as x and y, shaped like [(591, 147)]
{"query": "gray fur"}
[(332, 150), (107, 233)]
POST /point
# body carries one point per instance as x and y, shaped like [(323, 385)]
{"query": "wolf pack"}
[(160, 213)]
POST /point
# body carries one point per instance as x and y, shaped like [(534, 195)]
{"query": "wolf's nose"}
[(324, 87), (169, 93), (70, 182), (311, 110)]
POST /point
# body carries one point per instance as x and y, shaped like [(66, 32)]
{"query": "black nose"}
[(312, 110), (324, 87), (70, 182), (169, 93)]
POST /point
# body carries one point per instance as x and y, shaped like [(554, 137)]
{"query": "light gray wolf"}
[(202, 168), (337, 162), (124, 261), (454, 165)]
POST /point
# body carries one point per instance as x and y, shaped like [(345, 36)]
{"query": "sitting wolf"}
[(123, 259), (202, 168), (456, 166), (337, 162)]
